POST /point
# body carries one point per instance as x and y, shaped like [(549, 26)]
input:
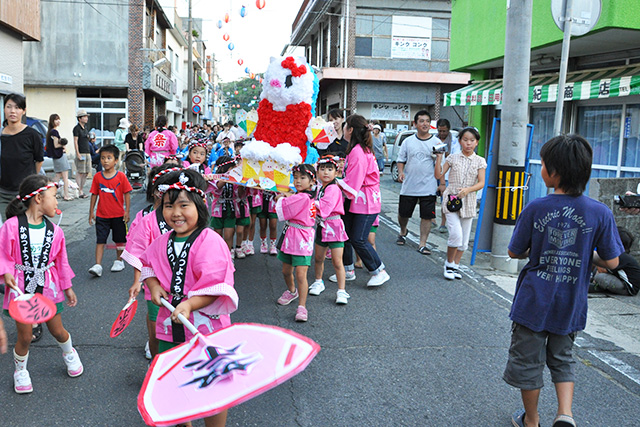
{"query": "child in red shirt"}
[(112, 190)]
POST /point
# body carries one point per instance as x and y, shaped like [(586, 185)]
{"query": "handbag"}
[(454, 204)]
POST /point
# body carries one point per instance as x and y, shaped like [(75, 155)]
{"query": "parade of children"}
[(190, 251)]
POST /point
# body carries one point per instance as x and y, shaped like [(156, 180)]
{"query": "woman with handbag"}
[(466, 177), (56, 150)]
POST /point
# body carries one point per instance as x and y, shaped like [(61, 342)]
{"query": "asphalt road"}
[(418, 351)]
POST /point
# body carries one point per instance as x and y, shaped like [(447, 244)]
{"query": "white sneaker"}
[(147, 351), (449, 271), (22, 382), (240, 253), (316, 287), (342, 297), (249, 249), (456, 272), (118, 265), (96, 270), (349, 276), (263, 246), (233, 253), (378, 279), (74, 365), (273, 250)]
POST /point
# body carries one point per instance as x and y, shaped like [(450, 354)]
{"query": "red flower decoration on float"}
[(290, 64)]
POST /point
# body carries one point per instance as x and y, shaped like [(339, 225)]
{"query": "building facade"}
[(19, 21), (602, 94), (381, 59)]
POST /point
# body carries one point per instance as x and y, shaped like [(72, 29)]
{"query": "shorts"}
[(220, 223), (59, 309), (83, 166), (166, 345), (117, 227), (243, 222), (264, 214), (256, 210), (294, 260), (330, 245), (530, 351), (152, 311), (408, 203)]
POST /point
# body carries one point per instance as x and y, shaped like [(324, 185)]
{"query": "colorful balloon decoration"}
[(253, 86), (243, 11), (240, 61), (235, 92), (252, 75), (226, 17), (219, 24), (247, 70), (231, 46), (260, 4), (225, 37)]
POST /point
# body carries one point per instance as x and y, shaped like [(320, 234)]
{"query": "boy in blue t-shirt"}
[(558, 233)]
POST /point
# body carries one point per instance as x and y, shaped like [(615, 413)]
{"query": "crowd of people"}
[(333, 212)]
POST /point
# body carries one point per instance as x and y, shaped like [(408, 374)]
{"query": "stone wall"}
[(603, 189)]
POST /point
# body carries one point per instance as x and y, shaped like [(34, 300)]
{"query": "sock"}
[(273, 242), (66, 346), (456, 266), (20, 362)]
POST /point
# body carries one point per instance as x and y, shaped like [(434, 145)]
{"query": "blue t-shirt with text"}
[(562, 232)]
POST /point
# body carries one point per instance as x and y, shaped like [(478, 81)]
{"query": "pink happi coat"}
[(298, 209), (362, 182), (331, 204), (237, 202), (187, 165), (139, 239), (254, 196), (209, 272), (160, 145), (56, 280)]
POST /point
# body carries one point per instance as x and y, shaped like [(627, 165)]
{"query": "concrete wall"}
[(603, 189), (42, 102), (80, 46), (11, 63)]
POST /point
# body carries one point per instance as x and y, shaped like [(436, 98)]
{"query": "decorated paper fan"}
[(241, 119), (252, 121)]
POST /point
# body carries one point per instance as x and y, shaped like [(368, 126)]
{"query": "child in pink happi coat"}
[(229, 209), (295, 246), (144, 229), (33, 259), (203, 291), (330, 233), (197, 158)]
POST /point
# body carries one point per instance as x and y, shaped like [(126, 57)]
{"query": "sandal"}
[(424, 250), (564, 421), (83, 196), (67, 199), (37, 333), (401, 239)]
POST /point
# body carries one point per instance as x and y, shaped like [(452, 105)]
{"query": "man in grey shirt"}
[(416, 167)]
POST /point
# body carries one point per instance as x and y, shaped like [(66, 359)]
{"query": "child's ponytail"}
[(28, 185)]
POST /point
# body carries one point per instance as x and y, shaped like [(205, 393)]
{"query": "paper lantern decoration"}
[(255, 97), (225, 37), (219, 24), (253, 86), (252, 75), (260, 4), (243, 11), (246, 70), (240, 62), (226, 17), (235, 92), (231, 46)]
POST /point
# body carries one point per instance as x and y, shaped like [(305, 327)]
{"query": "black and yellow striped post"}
[(509, 194)]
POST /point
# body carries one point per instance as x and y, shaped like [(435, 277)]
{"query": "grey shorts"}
[(83, 166), (530, 351)]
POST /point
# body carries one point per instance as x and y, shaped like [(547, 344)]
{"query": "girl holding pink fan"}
[(33, 259)]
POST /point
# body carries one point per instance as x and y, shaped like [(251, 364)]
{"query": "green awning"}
[(589, 84)]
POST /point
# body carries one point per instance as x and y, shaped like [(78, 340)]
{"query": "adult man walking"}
[(416, 169), (83, 152)]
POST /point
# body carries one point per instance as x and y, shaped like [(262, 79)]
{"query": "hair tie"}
[(39, 190), (164, 172), (329, 159), (198, 144), (180, 186)]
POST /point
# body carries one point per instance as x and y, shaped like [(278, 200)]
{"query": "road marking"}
[(616, 364)]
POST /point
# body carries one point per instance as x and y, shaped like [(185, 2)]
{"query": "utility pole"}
[(513, 128), (190, 68)]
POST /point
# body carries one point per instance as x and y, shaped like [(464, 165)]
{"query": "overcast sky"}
[(258, 36)]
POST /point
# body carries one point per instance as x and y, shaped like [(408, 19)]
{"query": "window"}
[(630, 137), (363, 46), (600, 125), (104, 116)]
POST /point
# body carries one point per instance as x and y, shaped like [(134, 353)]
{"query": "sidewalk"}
[(612, 318)]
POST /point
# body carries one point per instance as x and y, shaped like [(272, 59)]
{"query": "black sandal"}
[(37, 333), (402, 239), (424, 250)]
